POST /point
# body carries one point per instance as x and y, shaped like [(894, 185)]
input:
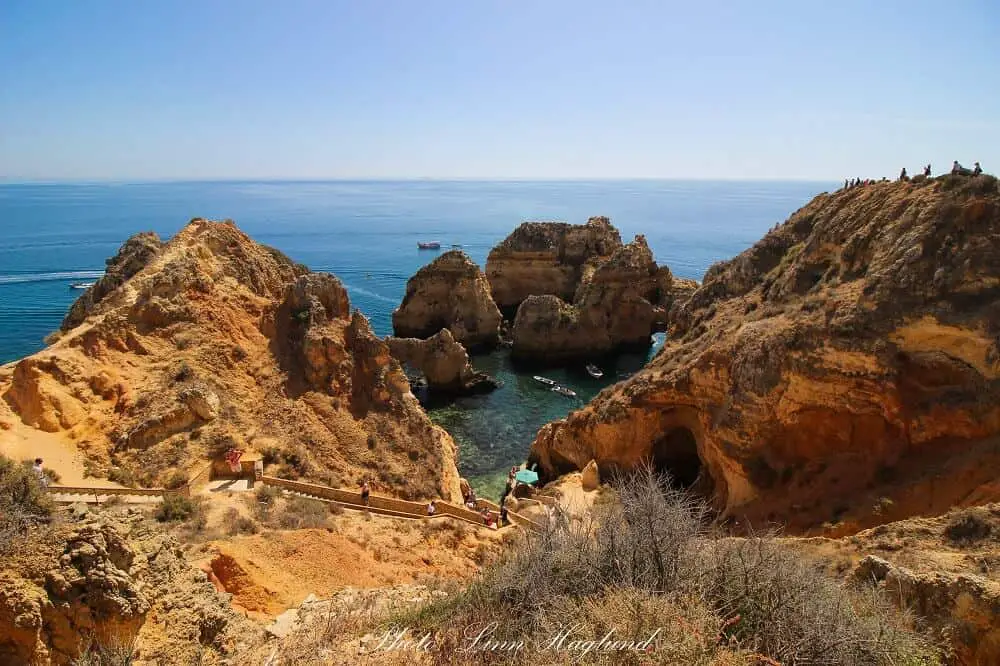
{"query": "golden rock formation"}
[(851, 354), (210, 340)]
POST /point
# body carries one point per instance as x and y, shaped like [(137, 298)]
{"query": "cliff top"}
[(598, 234), (209, 341)]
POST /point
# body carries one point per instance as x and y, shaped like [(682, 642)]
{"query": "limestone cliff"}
[(613, 308), (452, 293), (541, 258), (108, 581), (212, 340), (132, 256), (850, 355), (443, 362)]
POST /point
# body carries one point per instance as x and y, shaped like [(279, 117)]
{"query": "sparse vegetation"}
[(112, 651), (300, 513), (235, 523), (176, 479), (23, 503), (968, 526), (176, 508), (122, 475), (648, 562)]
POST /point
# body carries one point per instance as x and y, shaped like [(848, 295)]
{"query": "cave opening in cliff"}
[(676, 454)]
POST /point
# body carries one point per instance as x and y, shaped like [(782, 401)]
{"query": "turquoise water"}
[(54, 234)]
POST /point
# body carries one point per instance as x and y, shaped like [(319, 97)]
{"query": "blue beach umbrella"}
[(527, 476)]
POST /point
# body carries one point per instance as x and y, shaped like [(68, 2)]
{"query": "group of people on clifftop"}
[(956, 170)]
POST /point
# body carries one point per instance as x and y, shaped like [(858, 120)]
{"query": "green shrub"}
[(175, 508), (176, 479), (122, 475)]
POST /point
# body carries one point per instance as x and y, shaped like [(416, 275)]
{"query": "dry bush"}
[(110, 651), (968, 526), (176, 479), (302, 513), (780, 605), (234, 523), (646, 562), (23, 504)]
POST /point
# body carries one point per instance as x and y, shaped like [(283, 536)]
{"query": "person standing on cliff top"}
[(927, 170), (902, 174), (976, 169)]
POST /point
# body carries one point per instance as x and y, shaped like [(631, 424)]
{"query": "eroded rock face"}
[(613, 308), (211, 340), (835, 362), (541, 258), (966, 605), (442, 361), (114, 577), (132, 257), (452, 293)]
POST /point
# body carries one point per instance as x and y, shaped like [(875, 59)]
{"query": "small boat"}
[(594, 371), (562, 390), (429, 245), (81, 285), (544, 380), (456, 246)]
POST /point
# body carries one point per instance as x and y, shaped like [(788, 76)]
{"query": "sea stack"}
[(541, 258), (451, 293)]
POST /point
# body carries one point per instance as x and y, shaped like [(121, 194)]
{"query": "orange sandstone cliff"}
[(843, 371), (208, 341)]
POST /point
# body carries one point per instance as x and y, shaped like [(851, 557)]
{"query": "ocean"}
[(366, 232)]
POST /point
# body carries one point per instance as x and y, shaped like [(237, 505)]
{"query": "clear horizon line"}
[(356, 179)]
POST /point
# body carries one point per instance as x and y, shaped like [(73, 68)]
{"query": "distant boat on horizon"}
[(429, 245), (81, 285)]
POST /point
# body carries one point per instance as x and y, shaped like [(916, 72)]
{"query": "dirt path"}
[(21, 442)]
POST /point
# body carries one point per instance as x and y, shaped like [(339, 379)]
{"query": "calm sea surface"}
[(366, 232)]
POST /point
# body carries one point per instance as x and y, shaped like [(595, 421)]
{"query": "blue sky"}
[(478, 89)]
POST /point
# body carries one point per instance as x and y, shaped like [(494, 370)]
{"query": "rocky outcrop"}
[(132, 257), (542, 258), (212, 340), (442, 361), (451, 293), (849, 352), (963, 607), (613, 308), (115, 580)]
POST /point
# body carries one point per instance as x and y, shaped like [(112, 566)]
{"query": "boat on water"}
[(544, 380), (594, 371), (81, 285), (562, 390), (456, 246), (429, 245)]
